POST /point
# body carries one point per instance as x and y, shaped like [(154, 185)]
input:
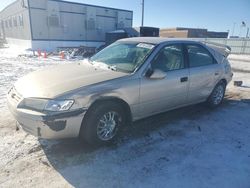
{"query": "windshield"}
[(124, 57)]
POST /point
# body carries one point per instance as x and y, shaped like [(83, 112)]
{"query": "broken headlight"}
[(46, 104), (58, 105), (33, 104)]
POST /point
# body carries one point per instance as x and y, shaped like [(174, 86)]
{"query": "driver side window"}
[(169, 58)]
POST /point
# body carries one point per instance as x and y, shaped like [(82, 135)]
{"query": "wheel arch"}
[(223, 80), (125, 106)]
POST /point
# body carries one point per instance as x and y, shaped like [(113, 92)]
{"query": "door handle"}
[(184, 79), (216, 73)]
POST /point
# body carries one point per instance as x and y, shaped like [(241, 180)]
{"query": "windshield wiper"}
[(112, 67), (105, 66)]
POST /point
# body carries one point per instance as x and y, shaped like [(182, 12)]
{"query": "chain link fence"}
[(238, 45)]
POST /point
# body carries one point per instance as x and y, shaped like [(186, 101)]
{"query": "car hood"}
[(53, 81)]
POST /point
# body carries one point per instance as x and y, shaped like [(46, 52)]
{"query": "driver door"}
[(167, 86)]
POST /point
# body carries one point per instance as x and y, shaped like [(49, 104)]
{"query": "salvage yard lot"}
[(189, 147)]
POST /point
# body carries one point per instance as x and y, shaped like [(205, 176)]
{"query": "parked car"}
[(130, 79)]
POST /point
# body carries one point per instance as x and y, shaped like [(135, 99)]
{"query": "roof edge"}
[(98, 6)]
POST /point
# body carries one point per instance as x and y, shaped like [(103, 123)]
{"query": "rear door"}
[(204, 72)]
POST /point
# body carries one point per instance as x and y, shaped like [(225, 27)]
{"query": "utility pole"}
[(247, 32), (142, 20)]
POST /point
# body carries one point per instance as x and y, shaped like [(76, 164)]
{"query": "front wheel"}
[(217, 95), (102, 123)]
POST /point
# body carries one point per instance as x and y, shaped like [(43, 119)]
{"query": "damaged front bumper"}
[(49, 126)]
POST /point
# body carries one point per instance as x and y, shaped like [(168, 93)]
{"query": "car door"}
[(204, 72), (165, 84)]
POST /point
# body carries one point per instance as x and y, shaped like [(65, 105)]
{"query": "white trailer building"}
[(47, 24)]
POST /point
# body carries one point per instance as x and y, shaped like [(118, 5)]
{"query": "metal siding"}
[(79, 8), (39, 23), (77, 21), (42, 4), (14, 11), (104, 25), (89, 5), (72, 17), (106, 12), (73, 26)]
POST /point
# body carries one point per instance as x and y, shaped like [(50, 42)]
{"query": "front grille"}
[(14, 95)]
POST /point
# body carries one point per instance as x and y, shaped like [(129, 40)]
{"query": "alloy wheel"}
[(108, 125)]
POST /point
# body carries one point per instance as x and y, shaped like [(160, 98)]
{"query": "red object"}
[(62, 55), (39, 53), (45, 55)]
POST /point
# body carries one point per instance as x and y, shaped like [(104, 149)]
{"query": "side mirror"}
[(157, 74)]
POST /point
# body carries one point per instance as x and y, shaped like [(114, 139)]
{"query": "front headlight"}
[(46, 104), (59, 105), (33, 104)]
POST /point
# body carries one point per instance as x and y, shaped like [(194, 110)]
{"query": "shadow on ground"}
[(68, 154)]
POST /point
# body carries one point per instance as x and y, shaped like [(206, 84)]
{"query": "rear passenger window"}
[(198, 56), (169, 58)]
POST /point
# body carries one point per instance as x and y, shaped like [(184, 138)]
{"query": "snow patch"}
[(189, 147)]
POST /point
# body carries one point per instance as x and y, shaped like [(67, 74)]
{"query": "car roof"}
[(215, 47), (156, 40)]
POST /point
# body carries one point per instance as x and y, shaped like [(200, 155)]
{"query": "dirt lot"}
[(189, 147)]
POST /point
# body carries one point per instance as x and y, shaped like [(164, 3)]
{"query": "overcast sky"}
[(217, 15)]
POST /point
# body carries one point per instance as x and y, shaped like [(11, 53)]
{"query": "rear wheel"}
[(102, 123), (217, 95)]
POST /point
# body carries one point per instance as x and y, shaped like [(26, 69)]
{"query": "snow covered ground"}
[(188, 147), (245, 58)]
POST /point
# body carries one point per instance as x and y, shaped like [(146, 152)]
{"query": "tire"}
[(102, 123), (217, 95)]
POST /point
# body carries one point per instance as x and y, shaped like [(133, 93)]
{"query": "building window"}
[(6, 24), (91, 24), (2, 24), (20, 18), (10, 22), (15, 21), (53, 21)]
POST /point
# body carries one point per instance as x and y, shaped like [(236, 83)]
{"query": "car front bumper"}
[(48, 126)]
